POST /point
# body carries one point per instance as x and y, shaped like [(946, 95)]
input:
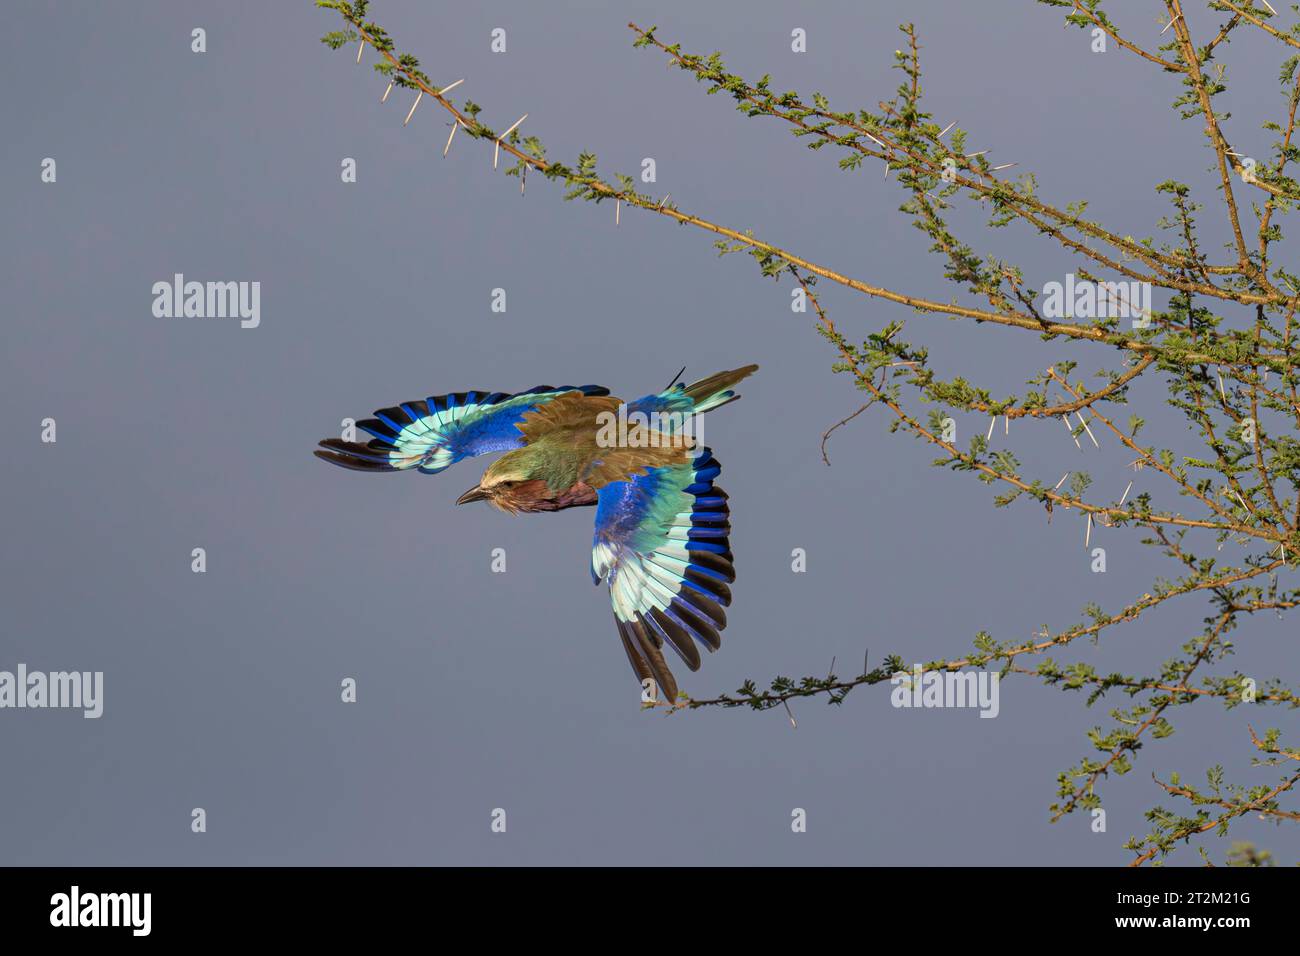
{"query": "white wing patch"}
[(423, 439)]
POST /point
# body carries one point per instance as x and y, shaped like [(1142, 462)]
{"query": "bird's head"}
[(511, 485)]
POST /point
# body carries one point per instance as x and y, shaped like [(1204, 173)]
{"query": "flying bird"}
[(661, 540)]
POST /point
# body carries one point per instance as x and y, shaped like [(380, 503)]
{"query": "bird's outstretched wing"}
[(661, 542), (434, 433)]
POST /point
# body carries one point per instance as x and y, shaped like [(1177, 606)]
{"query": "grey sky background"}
[(481, 690)]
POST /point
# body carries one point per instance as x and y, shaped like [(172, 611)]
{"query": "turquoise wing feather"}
[(433, 434), (661, 543)]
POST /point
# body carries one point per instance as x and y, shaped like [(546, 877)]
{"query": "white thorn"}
[(1124, 497), (1270, 7), (514, 126), (1003, 166), (450, 86), (523, 178), (946, 128), (384, 98), (1222, 393), (1006, 424), (454, 126), (886, 170), (496, 153), (418, 97), (361, 48), (876, 141), (664, 200), (1087, 535), (980, 153), (618, 208), (1062, 481), (1070, 428), (1084, 422), (992, 421)]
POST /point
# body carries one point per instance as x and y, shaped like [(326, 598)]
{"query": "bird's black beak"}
[(474, 494)]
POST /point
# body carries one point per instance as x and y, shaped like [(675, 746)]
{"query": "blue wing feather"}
[(665, 582), (443, 429)]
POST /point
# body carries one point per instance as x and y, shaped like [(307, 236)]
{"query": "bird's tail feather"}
[(716, 390)]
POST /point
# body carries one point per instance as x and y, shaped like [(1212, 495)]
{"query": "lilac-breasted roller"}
[(661, 522)]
